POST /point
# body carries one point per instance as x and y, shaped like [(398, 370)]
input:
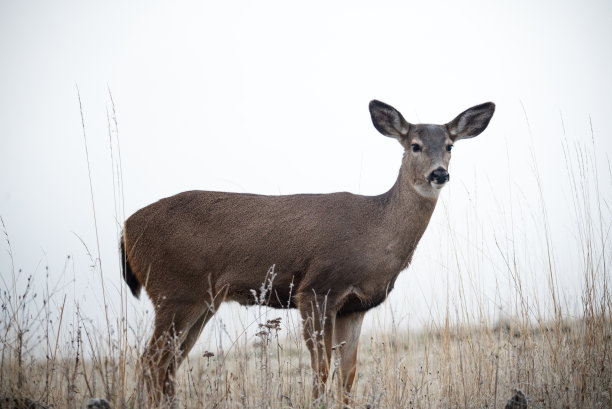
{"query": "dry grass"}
[(557, 365)]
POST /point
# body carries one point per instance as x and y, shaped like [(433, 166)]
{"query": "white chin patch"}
[(430, 189)]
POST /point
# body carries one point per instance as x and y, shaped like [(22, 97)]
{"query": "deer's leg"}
[(172, 324), (192, 335), (318, 331), (346, 340)]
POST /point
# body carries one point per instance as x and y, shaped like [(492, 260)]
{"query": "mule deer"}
[(335, 255)]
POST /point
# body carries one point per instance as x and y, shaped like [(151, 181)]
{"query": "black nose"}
[(439, 176)]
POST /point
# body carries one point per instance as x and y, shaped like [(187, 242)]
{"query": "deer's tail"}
[(128, 274)]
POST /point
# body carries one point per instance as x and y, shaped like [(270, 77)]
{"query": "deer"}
[(335, 256)]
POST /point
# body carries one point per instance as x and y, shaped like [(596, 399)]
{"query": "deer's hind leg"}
[(187, 344), (175, 323)]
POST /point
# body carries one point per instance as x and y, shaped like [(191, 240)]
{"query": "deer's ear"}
[(387, 120), (472, 122)]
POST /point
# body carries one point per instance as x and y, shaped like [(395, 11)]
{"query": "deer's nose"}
[(439, 176)]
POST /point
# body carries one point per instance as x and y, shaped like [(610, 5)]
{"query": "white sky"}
[(271, 97)]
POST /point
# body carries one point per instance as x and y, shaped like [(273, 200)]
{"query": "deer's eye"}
[(449, 148), (416, 147)]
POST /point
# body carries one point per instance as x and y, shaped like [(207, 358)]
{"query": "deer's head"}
[(427, 148)]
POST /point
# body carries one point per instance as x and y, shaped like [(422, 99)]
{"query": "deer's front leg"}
[(346, 340), (318, 332)]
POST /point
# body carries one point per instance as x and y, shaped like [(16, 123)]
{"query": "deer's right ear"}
[(387, 120)]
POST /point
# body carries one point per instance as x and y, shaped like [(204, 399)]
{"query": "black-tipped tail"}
[(128, 275)]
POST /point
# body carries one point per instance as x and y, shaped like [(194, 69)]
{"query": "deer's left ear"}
[(472, 122)]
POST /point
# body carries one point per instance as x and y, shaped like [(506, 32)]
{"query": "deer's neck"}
[(406, 216)]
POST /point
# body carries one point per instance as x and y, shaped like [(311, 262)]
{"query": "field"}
[(557, 364)]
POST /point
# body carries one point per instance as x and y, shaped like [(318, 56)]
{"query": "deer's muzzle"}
[(439, 176)]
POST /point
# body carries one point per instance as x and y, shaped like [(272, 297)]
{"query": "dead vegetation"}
[(554, 364)]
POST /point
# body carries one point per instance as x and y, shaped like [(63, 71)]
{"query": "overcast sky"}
[(271, 97)]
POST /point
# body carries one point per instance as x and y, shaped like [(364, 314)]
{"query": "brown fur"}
[(335, 256)]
